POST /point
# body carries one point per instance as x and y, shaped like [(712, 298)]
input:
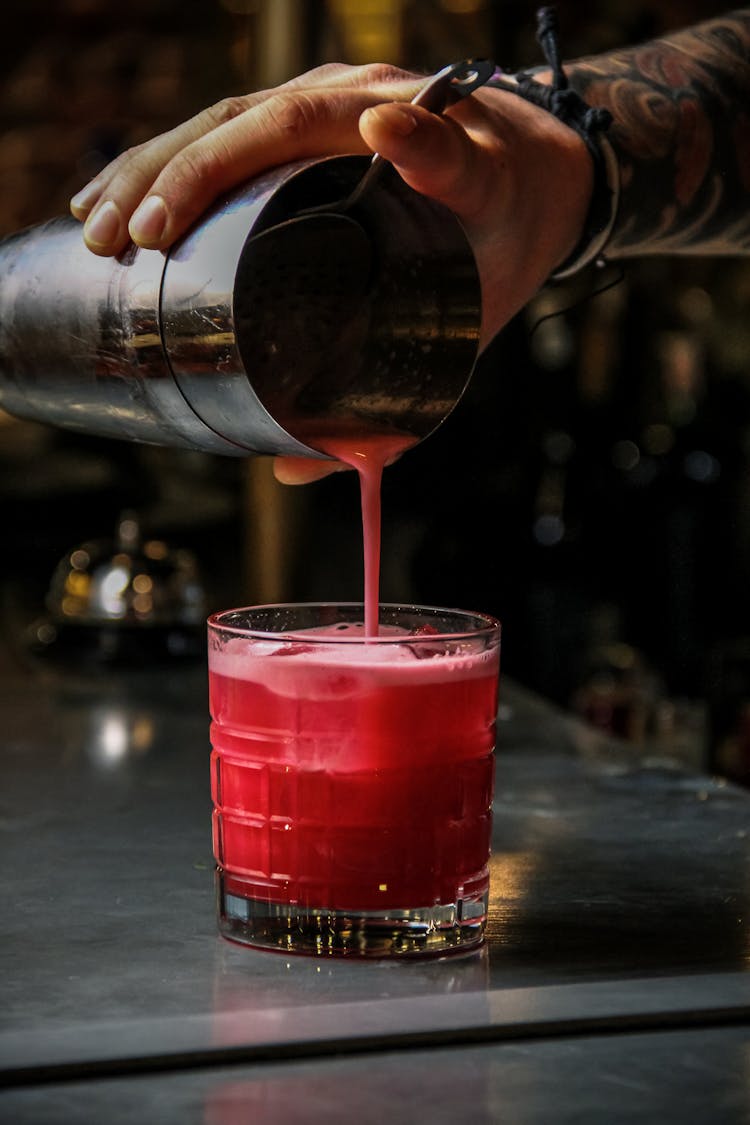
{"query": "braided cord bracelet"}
[(591, 124)]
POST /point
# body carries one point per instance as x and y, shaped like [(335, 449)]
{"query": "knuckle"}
[(225, 110), (138, 159), (130, 158), (380, 74), (129, 172), (194, 167), (327, 71), (295, 115)]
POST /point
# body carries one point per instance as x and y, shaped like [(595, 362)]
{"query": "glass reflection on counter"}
[(114, 734)]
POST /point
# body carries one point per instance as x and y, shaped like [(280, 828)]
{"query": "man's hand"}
[(518, 179)]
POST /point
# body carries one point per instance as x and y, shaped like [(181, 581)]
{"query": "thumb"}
[(432, 154)]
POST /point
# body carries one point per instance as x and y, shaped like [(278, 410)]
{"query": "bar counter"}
[(613, 984)]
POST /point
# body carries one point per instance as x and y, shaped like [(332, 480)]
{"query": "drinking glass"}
[(352, 777)]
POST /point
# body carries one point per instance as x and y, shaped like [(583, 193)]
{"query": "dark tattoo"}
[(681, 108)]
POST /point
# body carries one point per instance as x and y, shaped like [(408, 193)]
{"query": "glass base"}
[(429, 931)]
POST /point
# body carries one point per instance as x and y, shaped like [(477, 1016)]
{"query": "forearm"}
[(681, 132)]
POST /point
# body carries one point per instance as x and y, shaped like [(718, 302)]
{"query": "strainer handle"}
[(455, 81)]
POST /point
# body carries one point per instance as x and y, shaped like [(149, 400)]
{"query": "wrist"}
[(600, 216), (542, 188), (600, 178), (549, 89)]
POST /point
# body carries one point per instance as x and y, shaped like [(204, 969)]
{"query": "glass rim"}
[(487, 625)]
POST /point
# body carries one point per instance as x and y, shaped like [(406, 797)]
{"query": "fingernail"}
[(103, 227), (398, 118), (85, 199), (148, 222)]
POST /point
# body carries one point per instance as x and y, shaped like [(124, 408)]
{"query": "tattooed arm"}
[(681, 132)]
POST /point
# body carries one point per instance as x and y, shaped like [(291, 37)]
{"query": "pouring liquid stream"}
[(331, 224), (368, 456)]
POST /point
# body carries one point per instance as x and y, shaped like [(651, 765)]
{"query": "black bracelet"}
[(591, 123)]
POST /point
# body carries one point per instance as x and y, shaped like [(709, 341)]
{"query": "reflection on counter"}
[(106, 722), (295, 980), (115, 734)]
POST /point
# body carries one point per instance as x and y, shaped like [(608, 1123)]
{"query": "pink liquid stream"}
[(369, 456)]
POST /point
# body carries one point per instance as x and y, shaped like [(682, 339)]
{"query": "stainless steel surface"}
[(670, 1078), (345, 1028), (616, 960), (222, 347)]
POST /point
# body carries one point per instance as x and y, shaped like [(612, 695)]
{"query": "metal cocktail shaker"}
[(232, 344)]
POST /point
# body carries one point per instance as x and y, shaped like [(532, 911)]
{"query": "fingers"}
[(107, 202), (286, 127), (155, 195), (154, 192), (304, 470)]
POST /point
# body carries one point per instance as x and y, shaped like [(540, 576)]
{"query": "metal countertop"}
[(616, 959)]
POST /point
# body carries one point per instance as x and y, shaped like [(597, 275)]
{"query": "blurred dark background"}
[(590, 489)]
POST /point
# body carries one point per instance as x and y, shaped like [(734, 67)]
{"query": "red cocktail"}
[(352, 776)]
